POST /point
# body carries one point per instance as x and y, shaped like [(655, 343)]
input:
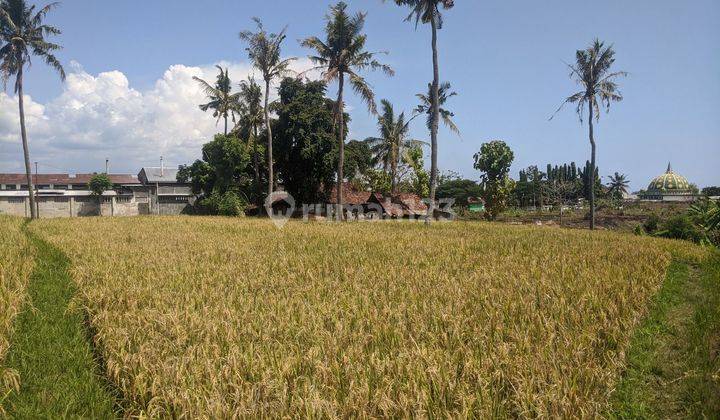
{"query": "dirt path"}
[(52, 351)]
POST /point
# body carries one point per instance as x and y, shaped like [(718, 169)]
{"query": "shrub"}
[(228, 204), (231, 205), (682, 227), (652, 223)]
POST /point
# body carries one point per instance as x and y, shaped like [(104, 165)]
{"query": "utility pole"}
[(37, 190)]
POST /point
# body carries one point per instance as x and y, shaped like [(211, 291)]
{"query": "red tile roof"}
[(64, 179), (351, 195)]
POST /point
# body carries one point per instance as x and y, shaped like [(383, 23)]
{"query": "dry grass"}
[(212, 317), (15, 266)]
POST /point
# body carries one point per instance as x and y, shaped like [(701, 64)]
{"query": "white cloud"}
[(99, 116)]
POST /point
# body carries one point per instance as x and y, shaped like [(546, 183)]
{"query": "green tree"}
[(99, 183), (378, 181), (23, 33), (393, 145), (428, 12), (420, 181), (200, 175), (250, 122), (711, 191), (343, 55), (618, 186), (223, 102), (592, 71), (305, 142), (222, 170), (494, 160), (264, 51), (358, 158), (460, 190)]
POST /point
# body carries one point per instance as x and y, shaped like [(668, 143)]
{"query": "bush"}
[(231, 205), (228, 204), (652, 223), (682, 227)]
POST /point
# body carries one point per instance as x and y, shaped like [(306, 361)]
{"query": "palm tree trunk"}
[(256, 167), (393, 171), (435, 117), (591, 176), (26, 150), (226, 125), (271, 175), (341, 149)]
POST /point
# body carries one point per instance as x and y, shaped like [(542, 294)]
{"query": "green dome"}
[(669, 182)]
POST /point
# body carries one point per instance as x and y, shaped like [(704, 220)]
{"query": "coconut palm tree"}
[(592, 71), (428, 11), (393, 143), (618, 185), (264, 51), (343, 55), (445, 92), (23, 34), (251, 118), (223, 102)]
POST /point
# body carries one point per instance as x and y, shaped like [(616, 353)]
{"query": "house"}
[(153, 191), (396, 206), (475, 205), (373, 205), (162, 192)]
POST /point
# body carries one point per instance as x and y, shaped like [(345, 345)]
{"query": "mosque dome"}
[(669, 182)]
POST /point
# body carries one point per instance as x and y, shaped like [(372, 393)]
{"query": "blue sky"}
[(504, 57)]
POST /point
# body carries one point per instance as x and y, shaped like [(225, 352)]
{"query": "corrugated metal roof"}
[(159, 175)]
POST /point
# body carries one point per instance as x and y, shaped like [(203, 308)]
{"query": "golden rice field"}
[(214, 317), (15, 266)]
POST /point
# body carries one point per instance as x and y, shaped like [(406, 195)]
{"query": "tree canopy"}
[(306, 150)]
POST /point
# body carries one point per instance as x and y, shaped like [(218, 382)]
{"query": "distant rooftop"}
[(158, 175), (65, 179)]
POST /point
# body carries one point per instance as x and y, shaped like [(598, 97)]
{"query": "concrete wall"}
[(15, 206), (51, 207)]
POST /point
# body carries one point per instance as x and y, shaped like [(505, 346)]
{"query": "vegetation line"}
[(675, 355), (59, 376)]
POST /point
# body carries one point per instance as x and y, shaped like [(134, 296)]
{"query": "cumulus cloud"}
[(99, 116)]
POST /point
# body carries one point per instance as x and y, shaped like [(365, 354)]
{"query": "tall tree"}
[(428, 11), (425, 107), (592, 71), (306, 150), (264, 51), (223, 102), (494, 160), (343, 54), (251, 119), (24, 33), (393, 143)]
